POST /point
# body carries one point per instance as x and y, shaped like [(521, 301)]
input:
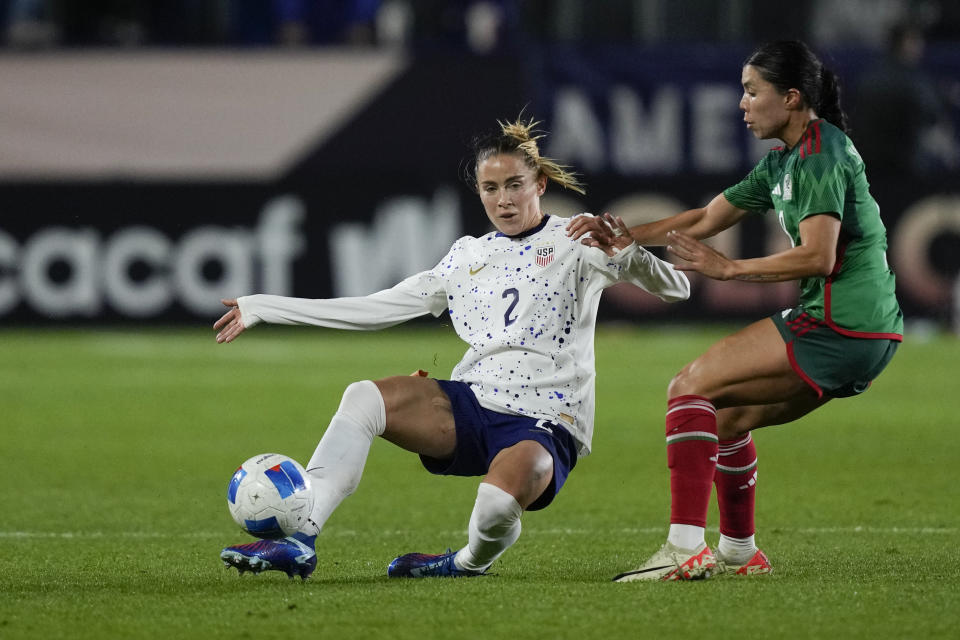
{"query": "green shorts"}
[(832, 364)]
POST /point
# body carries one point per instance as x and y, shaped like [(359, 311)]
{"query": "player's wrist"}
[(247, 307), (623, 253), (732, 271)]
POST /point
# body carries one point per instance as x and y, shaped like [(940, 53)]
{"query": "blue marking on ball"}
[(235, 480), (286, 478), (267, 528)]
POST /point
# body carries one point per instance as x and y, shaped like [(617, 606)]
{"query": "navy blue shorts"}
[(482, 434)]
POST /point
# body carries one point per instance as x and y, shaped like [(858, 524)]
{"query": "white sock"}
[(686, 536), (494, 526), (337, 464), (736, 550)]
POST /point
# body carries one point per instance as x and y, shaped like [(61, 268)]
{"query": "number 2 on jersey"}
[(507, 320)]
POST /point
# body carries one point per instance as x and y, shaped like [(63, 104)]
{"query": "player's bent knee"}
[(681, 384), (363, 404), (541, 463), (695, 379), (496, 512), (523, 471)]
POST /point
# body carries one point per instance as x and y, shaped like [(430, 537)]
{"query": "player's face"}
[(510, 192), (764, 108)]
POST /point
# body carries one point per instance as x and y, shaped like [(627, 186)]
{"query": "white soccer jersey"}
[(526, 306)]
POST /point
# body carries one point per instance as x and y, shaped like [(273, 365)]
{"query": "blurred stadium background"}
[(158, 155)]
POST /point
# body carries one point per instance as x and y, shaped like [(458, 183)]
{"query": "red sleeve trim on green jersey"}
[(827, 291)]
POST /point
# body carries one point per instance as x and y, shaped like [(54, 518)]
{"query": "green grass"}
[(117, 448)]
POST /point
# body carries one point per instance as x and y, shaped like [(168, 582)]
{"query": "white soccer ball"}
[(270, 496)]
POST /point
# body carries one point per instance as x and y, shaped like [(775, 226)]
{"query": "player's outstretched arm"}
[(814, 257), (700, 223), (230, 325)]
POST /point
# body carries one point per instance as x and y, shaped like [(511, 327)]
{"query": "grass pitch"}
[(118, 446)]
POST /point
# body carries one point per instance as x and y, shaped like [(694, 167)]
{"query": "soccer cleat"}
[(294, 556), (426, 565), (757, 565), (673, 563)]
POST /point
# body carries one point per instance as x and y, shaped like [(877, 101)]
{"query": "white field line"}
[(528, 532)]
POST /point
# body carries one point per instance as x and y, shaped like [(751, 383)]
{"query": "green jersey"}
[(823, 174)]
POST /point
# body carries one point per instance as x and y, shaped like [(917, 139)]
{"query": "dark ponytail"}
[(829, 108), (790, 64)]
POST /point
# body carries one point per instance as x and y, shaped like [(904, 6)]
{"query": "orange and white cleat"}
[(673, 563), (757, 565)]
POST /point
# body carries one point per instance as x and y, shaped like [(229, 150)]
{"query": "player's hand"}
[(699, 256), (229, 325), (606, 232), (589, 230)]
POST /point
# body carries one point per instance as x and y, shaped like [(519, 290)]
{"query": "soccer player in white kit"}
[(518, 408)]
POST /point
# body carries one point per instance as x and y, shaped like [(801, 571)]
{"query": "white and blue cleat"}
[(425, 565), (295, 556)]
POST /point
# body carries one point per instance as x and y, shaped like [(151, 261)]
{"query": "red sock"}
[(691, 457), (736, 480)]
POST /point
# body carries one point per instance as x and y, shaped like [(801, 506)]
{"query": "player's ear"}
[(541, 184), (792, 99)]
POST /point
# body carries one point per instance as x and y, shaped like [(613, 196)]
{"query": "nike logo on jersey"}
[(474, 272)]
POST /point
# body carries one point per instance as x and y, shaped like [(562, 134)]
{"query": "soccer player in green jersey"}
[(844, 330)]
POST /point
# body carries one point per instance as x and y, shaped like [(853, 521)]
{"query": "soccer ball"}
[(270, 496)]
